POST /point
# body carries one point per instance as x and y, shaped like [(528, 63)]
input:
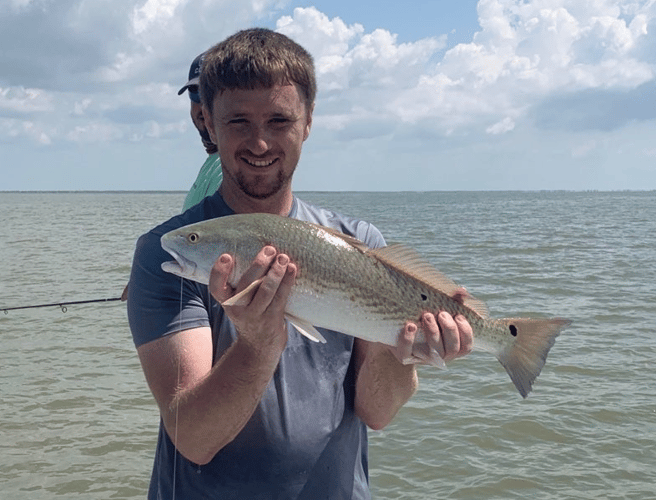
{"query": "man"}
[(210, 175), (249, 408)]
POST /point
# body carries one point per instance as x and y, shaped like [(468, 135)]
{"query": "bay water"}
[(78, 421)]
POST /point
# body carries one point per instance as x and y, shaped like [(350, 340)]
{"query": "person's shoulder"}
[(358, 228)]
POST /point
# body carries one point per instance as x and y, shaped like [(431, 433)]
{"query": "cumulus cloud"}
[(528, 51), (358, 72), (20, 100), (12, 129), (110, 70), (103, 71), (525, 53), (505, 125)]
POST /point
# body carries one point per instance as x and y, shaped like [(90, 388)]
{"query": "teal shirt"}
[(208, 181)]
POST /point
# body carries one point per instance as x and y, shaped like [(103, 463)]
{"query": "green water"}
[(78, 420)]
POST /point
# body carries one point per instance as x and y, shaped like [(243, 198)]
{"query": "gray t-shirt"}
[(304, 440)]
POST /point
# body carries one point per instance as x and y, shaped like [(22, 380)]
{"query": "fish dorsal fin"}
[(408, 261)]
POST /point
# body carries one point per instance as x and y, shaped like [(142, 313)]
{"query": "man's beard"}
[(260, 190)]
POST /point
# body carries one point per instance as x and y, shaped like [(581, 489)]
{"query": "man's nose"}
[(260, 140)]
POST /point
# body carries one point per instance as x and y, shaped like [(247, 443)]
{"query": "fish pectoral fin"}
[(420, 360), (306, 329), (244, 297), (422, 354)]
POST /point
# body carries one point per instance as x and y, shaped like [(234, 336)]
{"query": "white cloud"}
[(13, 129), (505, 125), (95, 132), (358, 72), (154, 12), (22, 100), (128, 58), (526, 51), (80, 107), (346, 57)]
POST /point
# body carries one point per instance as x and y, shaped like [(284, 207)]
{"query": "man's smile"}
[(260, 163)]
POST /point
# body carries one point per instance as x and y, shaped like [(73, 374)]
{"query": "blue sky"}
[(416, 95)]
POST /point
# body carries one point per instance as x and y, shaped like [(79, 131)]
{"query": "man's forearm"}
[(383, 385), (202, 419)]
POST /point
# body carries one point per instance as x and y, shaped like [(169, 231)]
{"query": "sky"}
[(417, 95)]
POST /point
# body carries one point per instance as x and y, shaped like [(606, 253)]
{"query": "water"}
[(78, 421)]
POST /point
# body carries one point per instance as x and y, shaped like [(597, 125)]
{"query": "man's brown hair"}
[(253, 59)]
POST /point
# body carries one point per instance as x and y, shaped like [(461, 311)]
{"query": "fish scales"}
[(343, 286)]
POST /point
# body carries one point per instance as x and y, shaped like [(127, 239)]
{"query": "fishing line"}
[(177, 406), (61, 305)]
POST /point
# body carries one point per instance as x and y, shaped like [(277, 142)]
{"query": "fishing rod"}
[(61, 305)]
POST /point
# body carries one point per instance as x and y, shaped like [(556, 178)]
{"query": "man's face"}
[(259, 134)]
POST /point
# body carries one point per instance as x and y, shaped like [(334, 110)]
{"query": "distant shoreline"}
[(91, 191)]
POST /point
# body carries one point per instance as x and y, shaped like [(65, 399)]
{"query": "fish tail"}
[(524, 358)]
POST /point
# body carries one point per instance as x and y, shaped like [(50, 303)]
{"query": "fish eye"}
[(193, 238)]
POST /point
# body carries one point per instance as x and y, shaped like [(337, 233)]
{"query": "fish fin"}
[(524, 358), (306, 329), (408, 261), (244, 297), (425, 356)]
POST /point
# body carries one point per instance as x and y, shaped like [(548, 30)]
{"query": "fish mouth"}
[(180, 266)]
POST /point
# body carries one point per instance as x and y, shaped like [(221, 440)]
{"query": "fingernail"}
[(269, 251), (283, 260), (225, 259)]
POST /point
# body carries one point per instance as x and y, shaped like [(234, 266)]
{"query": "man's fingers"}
[(275, 287), (450, 335), (432, 333), (259, 267), (218, 284), (466, 334), (403, 350), (460, 295)]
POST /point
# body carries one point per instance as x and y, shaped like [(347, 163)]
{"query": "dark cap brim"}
[(191, 83)]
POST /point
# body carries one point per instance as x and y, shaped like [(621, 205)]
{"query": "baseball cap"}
[(194, 76)]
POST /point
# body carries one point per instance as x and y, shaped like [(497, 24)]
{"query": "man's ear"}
[(209, 125)]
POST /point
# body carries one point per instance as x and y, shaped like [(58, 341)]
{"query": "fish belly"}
[(337, 311)]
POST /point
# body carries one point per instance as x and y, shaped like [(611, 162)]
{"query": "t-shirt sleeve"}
[(160, 303)]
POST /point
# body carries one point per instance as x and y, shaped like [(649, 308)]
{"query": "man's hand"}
[(445, 337), (449, 337), (259, 321)]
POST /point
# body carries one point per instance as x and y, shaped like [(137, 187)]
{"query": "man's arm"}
[(205, 407), (384, 384)]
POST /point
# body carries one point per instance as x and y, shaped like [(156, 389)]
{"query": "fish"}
[(344, 286)]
